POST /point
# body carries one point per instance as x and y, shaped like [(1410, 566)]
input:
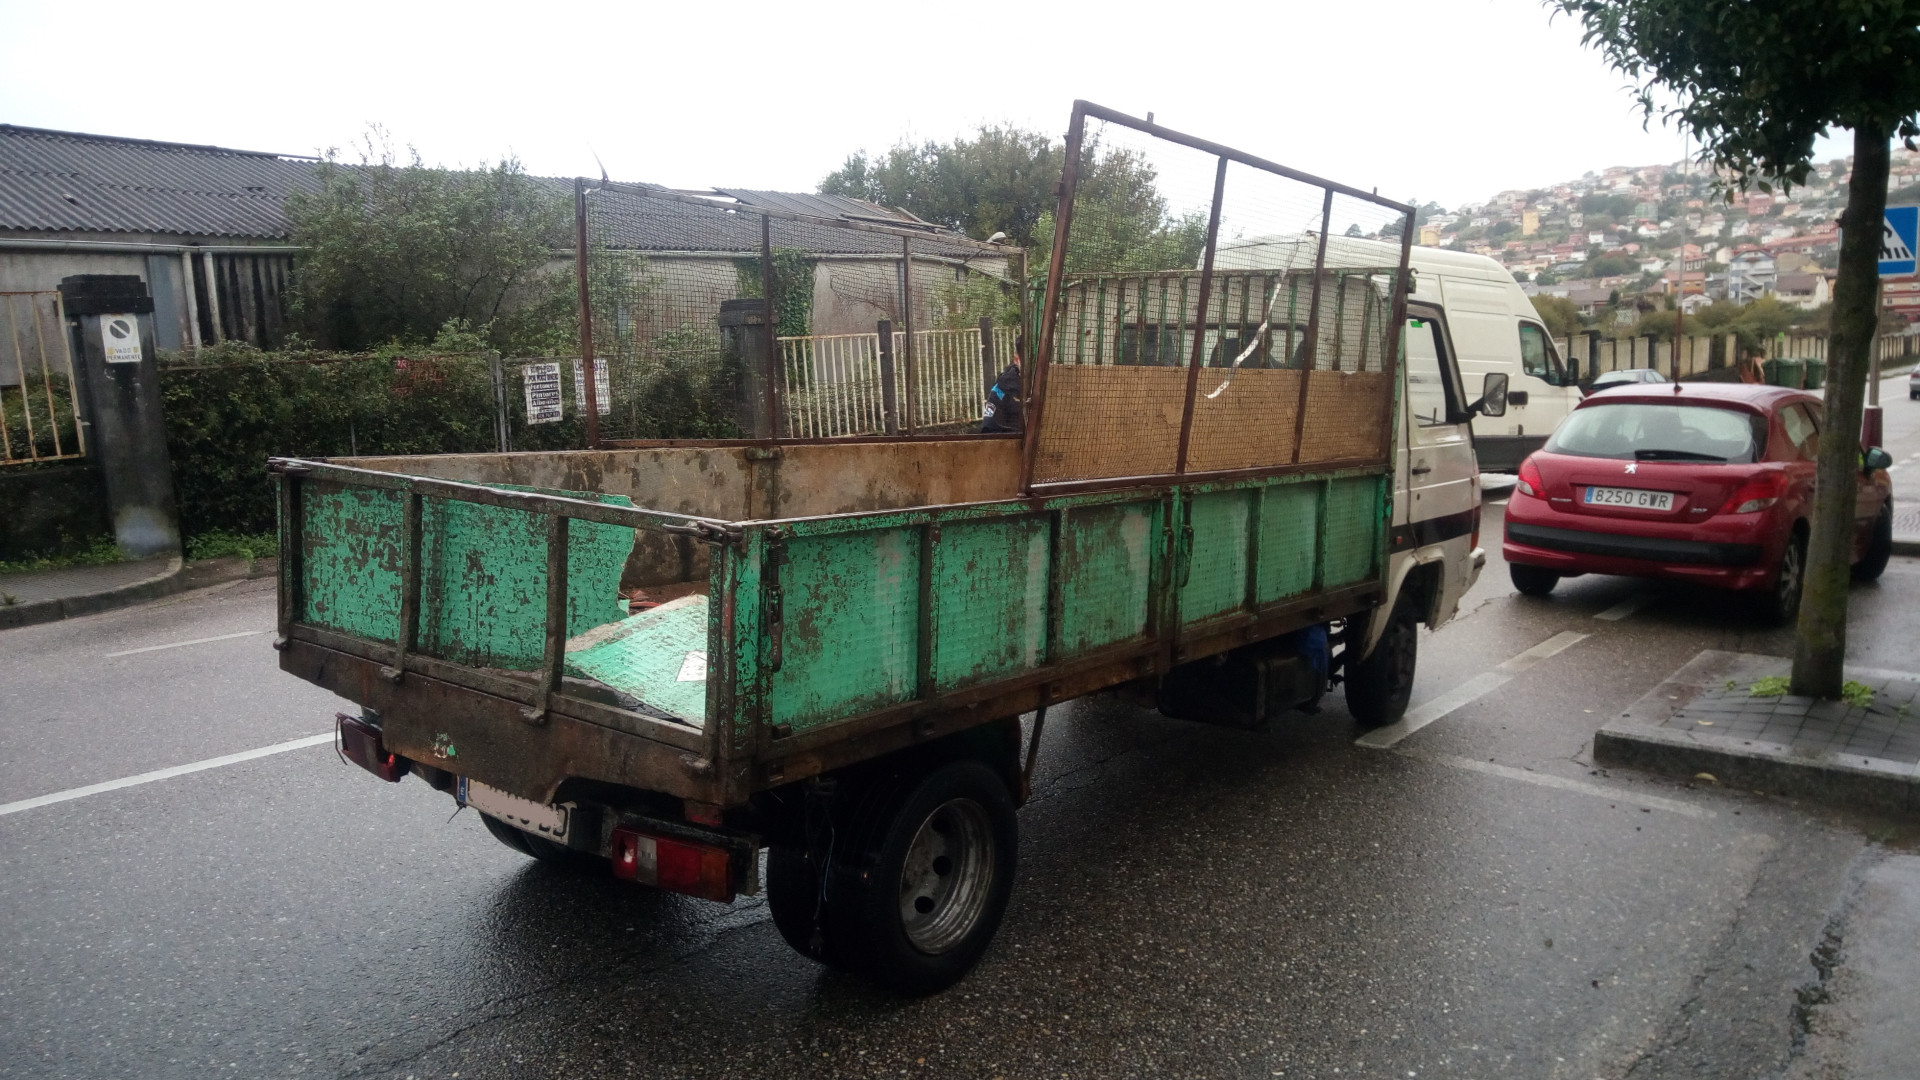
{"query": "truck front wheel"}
[(1380, 685)]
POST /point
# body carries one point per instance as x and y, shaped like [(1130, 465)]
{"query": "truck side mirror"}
[(1877, 459), (1493, 396)]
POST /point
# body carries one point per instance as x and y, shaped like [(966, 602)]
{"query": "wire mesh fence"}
[(755, 315), (1202, 304), (39, 410)]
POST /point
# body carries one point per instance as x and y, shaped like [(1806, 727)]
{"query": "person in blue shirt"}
[(1002, 410)]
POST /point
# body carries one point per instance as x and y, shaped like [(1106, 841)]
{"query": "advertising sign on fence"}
[(603, 392), (542, 382)]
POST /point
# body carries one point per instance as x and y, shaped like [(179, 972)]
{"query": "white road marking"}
[(1467, 692), (162, 774), (183, 644), (1624, 608), (1562, 783)]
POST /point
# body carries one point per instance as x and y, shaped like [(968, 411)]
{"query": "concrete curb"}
[(1906, 547), (1635, 740), (177, 577)]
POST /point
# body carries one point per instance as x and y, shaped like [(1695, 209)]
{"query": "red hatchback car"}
[(1706, 482)]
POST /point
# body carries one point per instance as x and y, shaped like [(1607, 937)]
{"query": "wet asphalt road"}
[(1476, 902)]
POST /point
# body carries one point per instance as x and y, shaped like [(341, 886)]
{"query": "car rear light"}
[(1756, 493), (675, 865), (359, 742), (1530, 482)]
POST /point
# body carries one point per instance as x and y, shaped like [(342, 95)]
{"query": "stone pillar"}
[(743, 343), (110, 322)]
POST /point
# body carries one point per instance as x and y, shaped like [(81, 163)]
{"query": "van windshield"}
[(1648, 432)]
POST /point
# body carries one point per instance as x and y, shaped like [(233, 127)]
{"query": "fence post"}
[(906, 320), (499, 400), (988, 367), (889, 407)]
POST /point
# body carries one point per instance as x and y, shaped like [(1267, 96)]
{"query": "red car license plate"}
[(1631, 498)]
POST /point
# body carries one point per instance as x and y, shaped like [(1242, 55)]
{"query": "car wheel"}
[(1381, 684), (1532, 580), (1781, 604), (1879, 547)]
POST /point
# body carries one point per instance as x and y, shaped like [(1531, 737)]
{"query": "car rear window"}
[(1648, 432)]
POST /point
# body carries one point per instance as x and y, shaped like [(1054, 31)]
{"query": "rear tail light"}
[(675, 865), (1756, 493), (359, 742), (1530, 482)]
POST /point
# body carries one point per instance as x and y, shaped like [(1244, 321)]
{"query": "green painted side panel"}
[(1217, 575), (1106, 563), (1354, 514), (483, 575), (851, 626), (658, 656), (990, 600), (351, 556), (1289, 539)]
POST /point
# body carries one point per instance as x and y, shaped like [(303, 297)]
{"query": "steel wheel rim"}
[(947, 876)]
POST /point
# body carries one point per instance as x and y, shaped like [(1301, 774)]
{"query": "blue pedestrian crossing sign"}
[(1899, 238)]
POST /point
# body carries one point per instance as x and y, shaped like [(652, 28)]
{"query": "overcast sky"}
[(1450, 100)]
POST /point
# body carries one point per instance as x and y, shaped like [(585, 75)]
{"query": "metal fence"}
[(835, 384), (752, 314), (1201, 303), (39, 410), (1590, 354)]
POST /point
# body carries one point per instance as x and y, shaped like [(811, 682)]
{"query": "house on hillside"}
[(1806, 291), (204, 226), (1750, 275)]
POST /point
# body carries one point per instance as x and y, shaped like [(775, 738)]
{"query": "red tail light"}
[(1530, 482), (1756, 493), (675, 865), (359, 742)]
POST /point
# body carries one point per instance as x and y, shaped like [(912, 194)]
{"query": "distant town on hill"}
[(1655, 237)]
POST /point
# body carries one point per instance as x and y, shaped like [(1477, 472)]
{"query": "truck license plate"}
[(1632, 498), (525, 814)]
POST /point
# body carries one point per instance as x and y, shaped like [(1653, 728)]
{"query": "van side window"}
[(1426, 380), (1537, 357)]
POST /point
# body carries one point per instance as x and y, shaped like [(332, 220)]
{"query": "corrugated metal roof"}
[(64, 181), (636, 222), (73, 182)]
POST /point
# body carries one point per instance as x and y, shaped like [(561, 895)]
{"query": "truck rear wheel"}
[(1381, 684), (915, 896), (539, 847)]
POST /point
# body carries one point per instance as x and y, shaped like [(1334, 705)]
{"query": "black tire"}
[(943, 846), (1532, 580), (1780, 604), (547, 851), (1879, 548), (1379, 686)]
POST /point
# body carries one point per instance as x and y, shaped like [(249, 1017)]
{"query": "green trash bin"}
[(1816, 374), (1785, 372)]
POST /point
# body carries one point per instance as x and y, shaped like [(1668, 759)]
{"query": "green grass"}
[(1857, 694), (220, 544), (1771, 686), (103, 551)]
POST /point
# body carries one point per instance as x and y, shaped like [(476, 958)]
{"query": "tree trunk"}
[(1820, 646)]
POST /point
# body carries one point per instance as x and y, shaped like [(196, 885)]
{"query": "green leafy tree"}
[(1756, 82), (393, 249), (998, 180), (1561, 315)]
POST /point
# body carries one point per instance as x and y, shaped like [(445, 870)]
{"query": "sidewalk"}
[(1705, 719), (48, 595)]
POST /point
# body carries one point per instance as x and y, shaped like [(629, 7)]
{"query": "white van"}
[(1493, 325)]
